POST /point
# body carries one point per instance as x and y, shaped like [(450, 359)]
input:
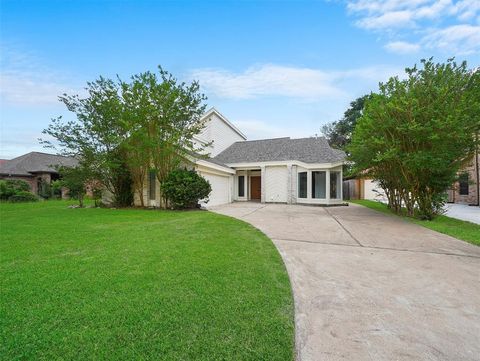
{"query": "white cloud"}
[(381, 14), (387, 20), (23, 88), (24, 81), (406, 11), (402, 47), (461, 39), (268, 80), (431, 23), (257, 129), (20, 140), (383, 6), (433, 10), (306, 84), (466, 10)]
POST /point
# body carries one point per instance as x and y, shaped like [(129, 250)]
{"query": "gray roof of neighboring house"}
[(307, 150), (36, 162)]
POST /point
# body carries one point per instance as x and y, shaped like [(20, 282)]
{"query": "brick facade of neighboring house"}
[(466, 190), (35, 168)]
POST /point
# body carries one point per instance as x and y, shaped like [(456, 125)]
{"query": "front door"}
[(255, 187)]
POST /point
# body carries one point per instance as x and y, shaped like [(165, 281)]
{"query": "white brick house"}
[(280, 170)]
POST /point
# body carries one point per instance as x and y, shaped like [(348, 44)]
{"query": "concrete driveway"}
[(463, 212), (369, 286)]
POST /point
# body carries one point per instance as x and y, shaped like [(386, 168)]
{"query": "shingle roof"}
[(35, 162), (307, 150), (215, 161)]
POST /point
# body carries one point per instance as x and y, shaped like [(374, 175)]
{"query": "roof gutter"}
[(217, 167), (285, 162)]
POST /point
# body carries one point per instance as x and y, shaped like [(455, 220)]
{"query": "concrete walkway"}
[(369, 286), (463, 212)]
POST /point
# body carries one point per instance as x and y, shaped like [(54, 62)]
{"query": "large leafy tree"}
[(339, 133), (95, 136), (162, 117), (415, 134), (125, 128)]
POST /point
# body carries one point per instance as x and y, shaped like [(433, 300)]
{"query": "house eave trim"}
[(285, 163), (204, 163)]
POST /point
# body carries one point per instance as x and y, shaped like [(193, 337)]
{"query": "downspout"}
[(478, 171)]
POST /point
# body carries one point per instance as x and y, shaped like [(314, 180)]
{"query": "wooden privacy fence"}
[(351, 189)]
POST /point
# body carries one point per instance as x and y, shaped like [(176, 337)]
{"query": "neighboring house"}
[(281, 170), (35, 168), (466, 189), (363, 188)]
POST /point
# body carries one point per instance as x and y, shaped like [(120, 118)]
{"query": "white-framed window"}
[(319, 184), (335, 185), (241, 186), (302, 184)]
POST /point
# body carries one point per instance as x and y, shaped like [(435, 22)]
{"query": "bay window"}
[(335, 185), (302, 185), (319, 182)]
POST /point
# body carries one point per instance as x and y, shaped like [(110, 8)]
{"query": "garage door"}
[(220, 189)]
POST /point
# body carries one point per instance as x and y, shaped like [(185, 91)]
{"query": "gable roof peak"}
[(213, 110)]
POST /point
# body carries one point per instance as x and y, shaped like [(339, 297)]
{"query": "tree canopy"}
[(416, 133), (125, 128), (339, 133)]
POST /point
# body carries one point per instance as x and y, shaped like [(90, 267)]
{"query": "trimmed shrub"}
[(23, 196), (184, 188), (11, 187)]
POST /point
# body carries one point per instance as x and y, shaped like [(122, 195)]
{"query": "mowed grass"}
[(139, 285), (466, 231)]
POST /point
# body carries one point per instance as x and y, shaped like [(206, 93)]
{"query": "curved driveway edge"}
[(370, 286)]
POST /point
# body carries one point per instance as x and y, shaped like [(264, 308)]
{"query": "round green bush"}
[(184, 188), (23, 196)]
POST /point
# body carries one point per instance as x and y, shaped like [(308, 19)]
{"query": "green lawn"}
[(466, 231), (136, 284)]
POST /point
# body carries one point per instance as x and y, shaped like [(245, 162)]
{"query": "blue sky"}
[(274, 68)]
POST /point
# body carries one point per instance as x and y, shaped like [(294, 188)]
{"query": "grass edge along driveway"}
[(463, 230), (138, 284)]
